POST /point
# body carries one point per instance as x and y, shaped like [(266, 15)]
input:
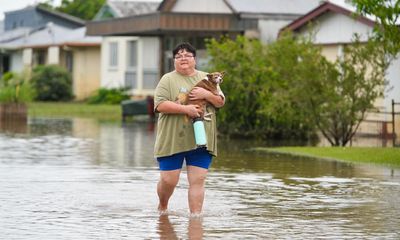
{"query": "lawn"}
[(99, 111), (377, 155)]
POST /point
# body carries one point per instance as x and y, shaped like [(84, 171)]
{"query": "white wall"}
[(148, 60), (338, 28), (201, 6), (113, 77), (149, 50), (394, 82), (269, 29), (16, 61), (54, 55)]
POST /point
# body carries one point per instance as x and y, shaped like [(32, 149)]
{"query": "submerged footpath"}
[(373, 155)]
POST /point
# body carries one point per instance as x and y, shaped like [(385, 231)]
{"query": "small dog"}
[(210, 83)]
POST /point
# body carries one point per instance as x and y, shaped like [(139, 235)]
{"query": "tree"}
[(349, 87), (257, 75), (287, 89), (83, 9), (242, 59), (386, 14), (333, 96)]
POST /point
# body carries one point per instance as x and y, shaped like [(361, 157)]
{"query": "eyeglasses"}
[(180, 57)]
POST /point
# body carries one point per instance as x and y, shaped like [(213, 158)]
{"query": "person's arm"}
[(170, 107), (201, 93)]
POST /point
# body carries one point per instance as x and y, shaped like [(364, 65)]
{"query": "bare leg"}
[(165, 187), (196, 178)]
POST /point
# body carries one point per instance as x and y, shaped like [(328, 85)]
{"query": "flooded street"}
[(85, 179)]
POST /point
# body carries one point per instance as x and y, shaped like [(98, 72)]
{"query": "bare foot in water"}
[(162, 210)]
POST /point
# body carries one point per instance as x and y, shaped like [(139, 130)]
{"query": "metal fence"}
[(395, 124), (380, 128)]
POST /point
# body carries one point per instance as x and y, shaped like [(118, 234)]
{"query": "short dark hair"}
[(184, 46)]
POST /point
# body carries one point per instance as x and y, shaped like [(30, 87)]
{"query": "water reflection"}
[(85, 179), (166, 229), (14, 126)]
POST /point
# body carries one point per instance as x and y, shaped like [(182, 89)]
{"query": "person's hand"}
[(199, 93), (193, 111)]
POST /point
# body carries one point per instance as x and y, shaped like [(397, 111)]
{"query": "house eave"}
[(160, 23)]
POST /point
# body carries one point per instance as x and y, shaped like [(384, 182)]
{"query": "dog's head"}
[(216, 77)]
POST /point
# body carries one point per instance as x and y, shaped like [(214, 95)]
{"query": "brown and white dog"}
[(210, 83)]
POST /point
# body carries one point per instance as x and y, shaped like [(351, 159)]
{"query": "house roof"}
[(321, 10), (294, 7), (42, 9), (130, 8), (166, 5), (61, 15), (243, 16), (269, 7), (52, 35), (14, 34)]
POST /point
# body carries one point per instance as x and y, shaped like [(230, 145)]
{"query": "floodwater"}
[(85, 179)]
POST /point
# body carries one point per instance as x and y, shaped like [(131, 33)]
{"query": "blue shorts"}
[(199, 157)]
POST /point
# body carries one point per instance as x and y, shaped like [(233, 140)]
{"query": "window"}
[(131, 68), (69, 61), (132, 54), (150, 78), (39, 57), (113, 54), (130, 80)]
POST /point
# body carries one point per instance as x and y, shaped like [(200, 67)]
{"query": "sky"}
[(10, 5)]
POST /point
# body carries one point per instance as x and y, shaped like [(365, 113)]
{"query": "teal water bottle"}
[(199, 132)]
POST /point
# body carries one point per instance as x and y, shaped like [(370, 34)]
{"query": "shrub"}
[(258, 82), (52, 83), (14, 88), (109, 96)]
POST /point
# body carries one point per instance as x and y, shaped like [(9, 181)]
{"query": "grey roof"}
[(64, 16), (131, 8), (11, 35), (295, 7), (51, 35)]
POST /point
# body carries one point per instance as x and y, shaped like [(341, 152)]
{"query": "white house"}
[(121, 66), (58, 45), (334, 26), (129, 61), (136, 48)]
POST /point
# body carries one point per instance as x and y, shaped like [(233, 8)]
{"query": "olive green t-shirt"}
[(175, 132)]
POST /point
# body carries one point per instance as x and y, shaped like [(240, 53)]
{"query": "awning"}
[(161, 23)]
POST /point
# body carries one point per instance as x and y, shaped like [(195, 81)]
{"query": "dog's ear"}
[(209, 76), (223, 73)]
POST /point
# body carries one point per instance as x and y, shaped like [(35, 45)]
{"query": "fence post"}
[(393, 127)]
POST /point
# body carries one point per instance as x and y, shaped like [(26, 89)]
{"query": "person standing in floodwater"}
[(175, 141)]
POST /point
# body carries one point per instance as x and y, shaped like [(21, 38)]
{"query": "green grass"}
[(52, 109), (376, 155)]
